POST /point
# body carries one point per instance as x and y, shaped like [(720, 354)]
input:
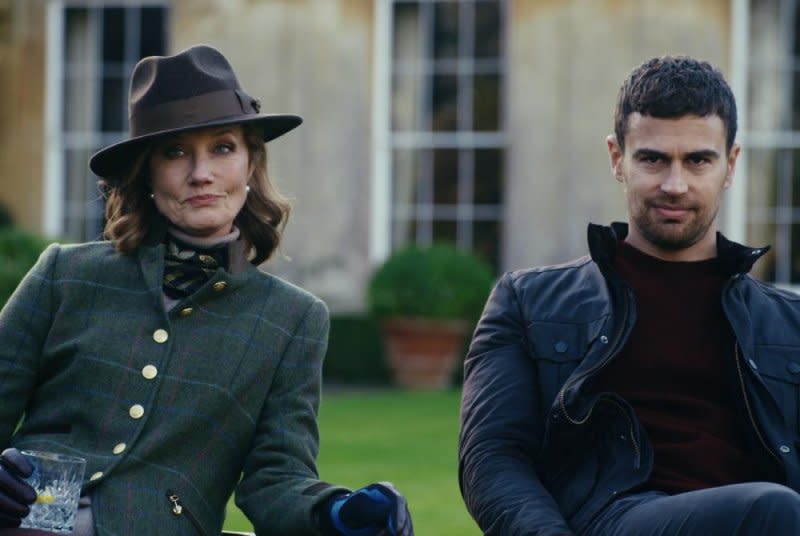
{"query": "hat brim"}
[(109, 161)]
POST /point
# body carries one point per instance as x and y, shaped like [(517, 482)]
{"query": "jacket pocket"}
[(779, 367), (556, 341), (178, 508)]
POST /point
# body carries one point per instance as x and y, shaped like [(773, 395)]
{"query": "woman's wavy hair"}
[(132, 217)]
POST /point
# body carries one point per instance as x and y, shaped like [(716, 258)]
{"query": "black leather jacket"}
[(539, 453)]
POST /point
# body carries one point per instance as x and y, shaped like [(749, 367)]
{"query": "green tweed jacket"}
[(169, 408)]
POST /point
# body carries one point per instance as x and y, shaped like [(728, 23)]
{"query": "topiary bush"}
[(19, 250), (440, 282)]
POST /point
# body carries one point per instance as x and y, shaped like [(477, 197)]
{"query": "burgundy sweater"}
[(677, 371)]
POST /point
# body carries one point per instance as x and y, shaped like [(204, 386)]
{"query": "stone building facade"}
[(477, 121)]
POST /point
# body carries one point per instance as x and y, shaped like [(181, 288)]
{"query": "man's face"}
[(674, 172)]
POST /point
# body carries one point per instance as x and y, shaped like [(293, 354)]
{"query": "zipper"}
[(739, 358), (636, 449), (601, 364), (178, 509)]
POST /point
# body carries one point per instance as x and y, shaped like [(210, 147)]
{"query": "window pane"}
[(486, 235), (487, 29), (74, 113), (488, 187), (404, 231), (79, 194), (445, 103), (76, 20), (100, 44), (486, 102), (445, 33), (446, 79), (762, 163), (771, 211), (795, 260), (795, 178), (114, 104), (405, 47), (405, 175), (114, 34), (795, 124), (445, 176), (152, 31), (445, 231), (406, 102)]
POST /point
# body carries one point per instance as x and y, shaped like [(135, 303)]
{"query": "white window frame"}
[(53, 206), (737, 206), (384, 140), (381, 198)]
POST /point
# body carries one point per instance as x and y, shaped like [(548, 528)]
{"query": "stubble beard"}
[(673, 235)]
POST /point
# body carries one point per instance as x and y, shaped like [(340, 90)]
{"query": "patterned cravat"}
[(188, 267)]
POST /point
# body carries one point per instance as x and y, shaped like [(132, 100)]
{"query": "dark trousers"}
[(751, 508)]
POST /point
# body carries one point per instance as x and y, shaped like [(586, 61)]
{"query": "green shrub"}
[(437, 282), (5, 216), (18, 252), (355, 352)]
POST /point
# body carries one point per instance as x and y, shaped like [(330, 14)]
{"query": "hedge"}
[(356, 353), (19, 250)]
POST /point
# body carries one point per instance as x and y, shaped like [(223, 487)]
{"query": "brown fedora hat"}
[(192, 89)]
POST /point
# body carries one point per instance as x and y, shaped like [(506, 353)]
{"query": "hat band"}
[(192, 111)]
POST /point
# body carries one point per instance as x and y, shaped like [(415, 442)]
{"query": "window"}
[(95, 50), (771, 138), (447, 141)]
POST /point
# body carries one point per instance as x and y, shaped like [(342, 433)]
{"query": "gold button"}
[(119, 448), (160, 336), (136, 411), (220, 286), (96, 475), (149, 372), (186, 311)]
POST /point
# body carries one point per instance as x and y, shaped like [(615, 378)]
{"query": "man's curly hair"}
[(670, 87)]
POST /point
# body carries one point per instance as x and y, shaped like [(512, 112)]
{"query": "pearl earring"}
[(247, 188), (152, 195)]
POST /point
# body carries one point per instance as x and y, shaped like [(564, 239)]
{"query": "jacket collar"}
[(151, 252), (603, 240)]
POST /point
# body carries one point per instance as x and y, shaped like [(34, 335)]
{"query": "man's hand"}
[(15, 495), (374, 510)]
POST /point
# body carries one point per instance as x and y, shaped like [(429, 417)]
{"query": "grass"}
[(408, 438)]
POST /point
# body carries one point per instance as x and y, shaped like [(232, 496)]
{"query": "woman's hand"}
[(15, 495), (374, 510)]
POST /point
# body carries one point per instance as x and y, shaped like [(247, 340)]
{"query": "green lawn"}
[(409, 438)]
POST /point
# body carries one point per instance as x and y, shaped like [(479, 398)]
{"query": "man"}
[(650, 388)]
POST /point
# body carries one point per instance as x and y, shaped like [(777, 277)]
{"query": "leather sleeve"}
[(502, 423)]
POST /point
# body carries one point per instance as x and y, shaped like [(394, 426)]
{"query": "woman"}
[(164, 356)]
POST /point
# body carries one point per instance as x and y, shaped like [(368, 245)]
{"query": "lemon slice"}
[(45, 499)]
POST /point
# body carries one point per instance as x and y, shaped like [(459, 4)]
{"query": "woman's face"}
[(199, 179)]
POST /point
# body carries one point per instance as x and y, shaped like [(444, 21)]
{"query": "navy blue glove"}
[(374, 510), (15, 495)]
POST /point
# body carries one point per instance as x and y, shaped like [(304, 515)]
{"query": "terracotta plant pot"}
[(423, 353)]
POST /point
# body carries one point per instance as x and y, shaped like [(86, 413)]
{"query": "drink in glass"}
[(57, 480)]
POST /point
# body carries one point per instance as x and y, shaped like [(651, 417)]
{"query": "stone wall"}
[(567, 61), (22, 82), (313, 58)]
